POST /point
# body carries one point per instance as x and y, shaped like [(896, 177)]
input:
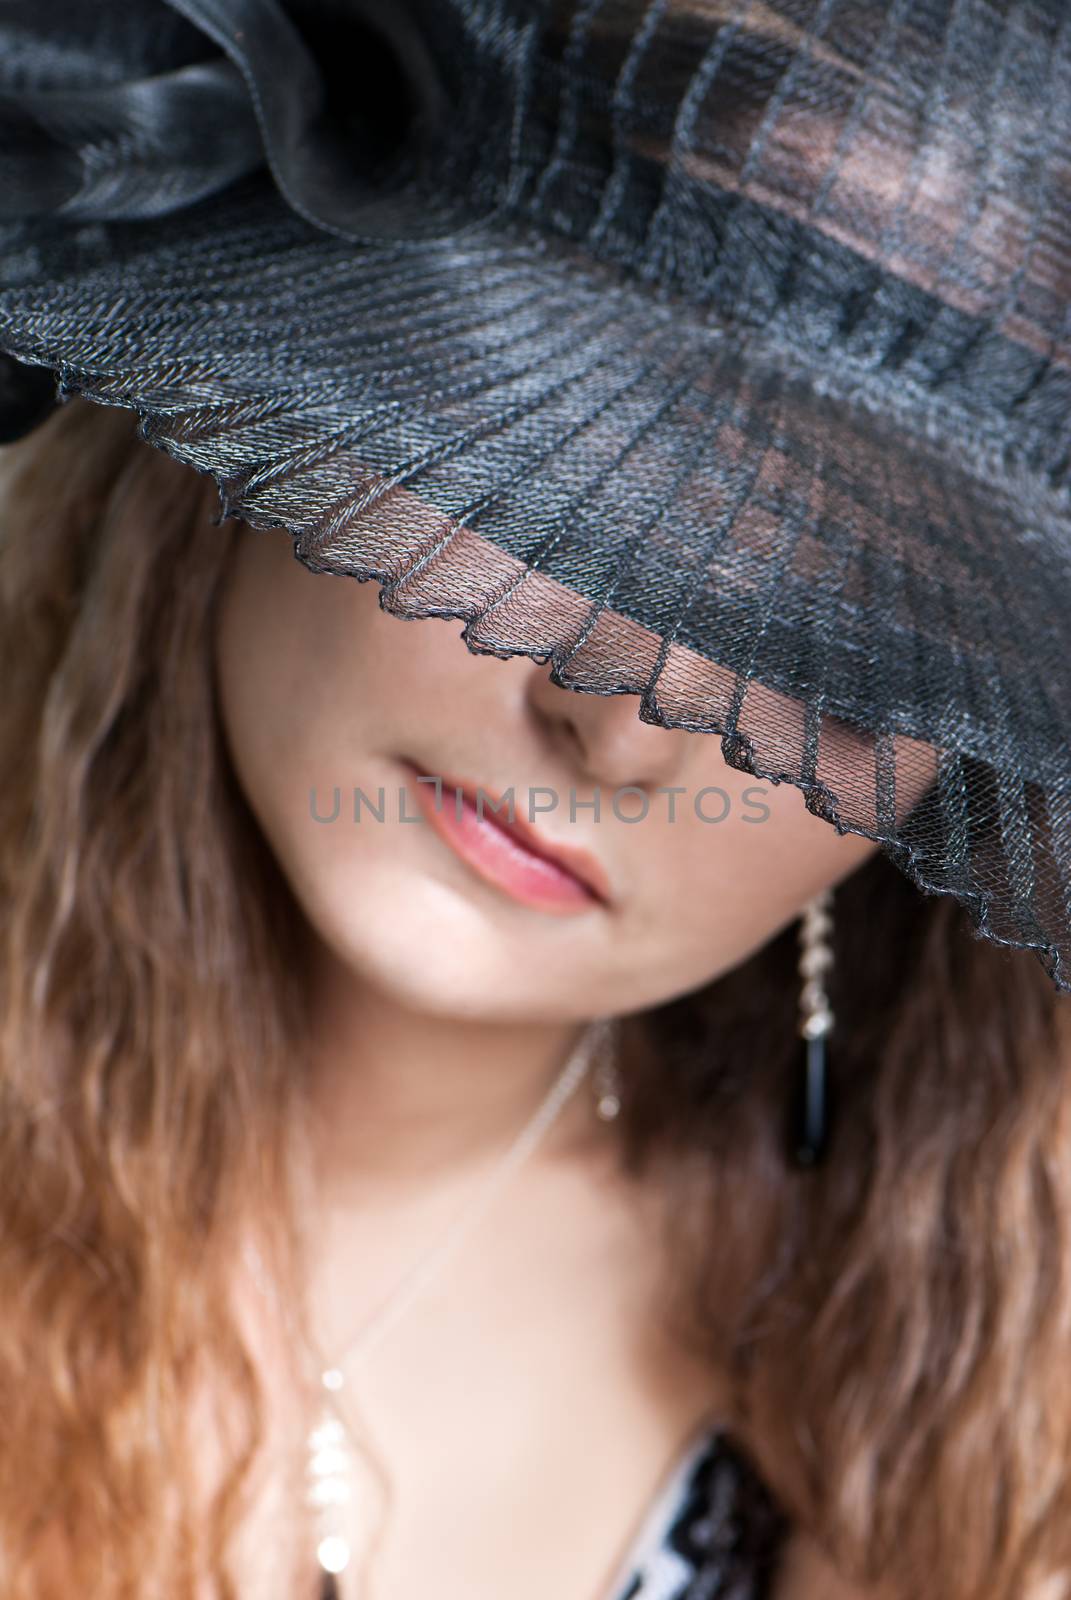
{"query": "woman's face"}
[(321, 690)]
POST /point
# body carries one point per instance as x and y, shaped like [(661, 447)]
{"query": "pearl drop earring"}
[(606, 1083)]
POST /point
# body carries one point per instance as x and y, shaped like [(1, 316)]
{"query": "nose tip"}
[(602, 735)]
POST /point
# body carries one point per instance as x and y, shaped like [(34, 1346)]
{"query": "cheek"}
[(292, 667), (718, 891), (255, 668), (272, 697)]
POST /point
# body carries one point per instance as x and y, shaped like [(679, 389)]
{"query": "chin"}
[(421, 943)]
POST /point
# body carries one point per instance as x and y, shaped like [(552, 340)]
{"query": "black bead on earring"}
[(810, 1109)]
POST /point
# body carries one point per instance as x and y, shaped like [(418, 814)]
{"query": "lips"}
[(570, 862)]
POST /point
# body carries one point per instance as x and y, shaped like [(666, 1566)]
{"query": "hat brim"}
[(588, 472)]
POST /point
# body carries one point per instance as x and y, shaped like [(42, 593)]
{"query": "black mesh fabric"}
[(714, 351)]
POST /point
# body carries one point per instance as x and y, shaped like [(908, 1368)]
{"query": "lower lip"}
[(497, 857)]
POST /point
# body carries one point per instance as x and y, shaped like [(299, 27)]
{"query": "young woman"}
[(255, 1056), (403, 1179)]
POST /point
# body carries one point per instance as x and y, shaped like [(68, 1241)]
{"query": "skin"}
[(444, 1009)]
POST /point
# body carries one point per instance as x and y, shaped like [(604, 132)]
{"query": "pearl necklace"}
[(330, 1472)]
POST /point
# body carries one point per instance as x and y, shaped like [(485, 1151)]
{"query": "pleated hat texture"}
[(713, 351)]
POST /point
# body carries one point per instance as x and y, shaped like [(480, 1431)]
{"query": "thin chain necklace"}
[(329, 1463)]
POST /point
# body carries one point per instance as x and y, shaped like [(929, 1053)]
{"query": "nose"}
[(602, 737)]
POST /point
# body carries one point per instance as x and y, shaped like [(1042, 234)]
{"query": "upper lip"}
[(580, 863)]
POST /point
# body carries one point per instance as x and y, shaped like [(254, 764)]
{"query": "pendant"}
[(329, 1476)]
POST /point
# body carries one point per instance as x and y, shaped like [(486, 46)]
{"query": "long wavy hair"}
[(895, 1323)]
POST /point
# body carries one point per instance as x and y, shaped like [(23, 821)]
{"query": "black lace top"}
[(714, 1531)]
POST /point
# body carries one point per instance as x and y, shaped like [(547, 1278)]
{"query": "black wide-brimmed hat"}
[(715, 351)]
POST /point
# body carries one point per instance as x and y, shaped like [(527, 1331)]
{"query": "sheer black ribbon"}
[(131, 109), (128, 109)]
